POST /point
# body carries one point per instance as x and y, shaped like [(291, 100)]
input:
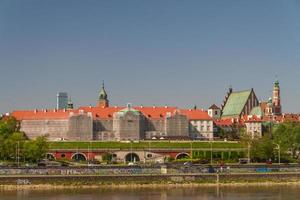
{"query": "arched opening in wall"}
[(79, 157), (50, 156), (182, 156), (132, 157)]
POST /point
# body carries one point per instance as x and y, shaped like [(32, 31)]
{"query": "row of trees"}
[(14, 145), (282, 142)]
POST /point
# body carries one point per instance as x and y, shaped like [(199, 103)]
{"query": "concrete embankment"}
[(140, 179)]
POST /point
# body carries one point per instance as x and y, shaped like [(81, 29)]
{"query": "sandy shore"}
[(154, 186)]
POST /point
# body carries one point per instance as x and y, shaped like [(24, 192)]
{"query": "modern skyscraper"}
[(62, 100)]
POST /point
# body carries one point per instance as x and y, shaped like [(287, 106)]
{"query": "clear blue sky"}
[(154, 52)]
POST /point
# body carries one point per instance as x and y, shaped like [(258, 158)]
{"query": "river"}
[(196, 193)]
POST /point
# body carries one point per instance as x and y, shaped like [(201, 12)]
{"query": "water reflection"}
[(175, 193)]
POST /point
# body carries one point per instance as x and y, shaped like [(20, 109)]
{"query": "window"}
[(201, 128), (216, 112)]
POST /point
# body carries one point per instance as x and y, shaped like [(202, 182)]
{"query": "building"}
[(214, 112), (237, 104), (62, 100), (272, 108), (254, 126), (108, 123)]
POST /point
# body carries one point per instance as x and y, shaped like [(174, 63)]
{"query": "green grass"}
[(142, 145)]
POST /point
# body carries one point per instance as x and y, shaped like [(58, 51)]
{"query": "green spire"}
[(102, 94), (276, 84)]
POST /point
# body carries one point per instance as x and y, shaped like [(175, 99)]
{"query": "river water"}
[(177, 193)]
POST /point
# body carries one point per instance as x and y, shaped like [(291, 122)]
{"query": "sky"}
[(176, 53)]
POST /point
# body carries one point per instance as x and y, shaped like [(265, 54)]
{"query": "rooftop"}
[(235, 103)]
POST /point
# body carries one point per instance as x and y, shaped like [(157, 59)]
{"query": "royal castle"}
[(108, 123)]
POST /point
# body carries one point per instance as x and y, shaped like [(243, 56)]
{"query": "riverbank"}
[(148, 186), (140, 181)]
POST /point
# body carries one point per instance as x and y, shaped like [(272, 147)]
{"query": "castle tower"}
[(276, 98), (103, 101)]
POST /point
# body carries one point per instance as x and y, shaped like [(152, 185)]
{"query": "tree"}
[(262, 149), (107, 157), (35, 150), (8, 125), (13, 145), (287, 135)]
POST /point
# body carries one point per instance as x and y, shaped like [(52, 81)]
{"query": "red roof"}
[(254, 118), (107, 113), (42, 114), (224, 122), (101, 112), (195, 114), (156, 112)]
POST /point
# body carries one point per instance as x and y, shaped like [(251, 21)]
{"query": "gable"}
[(236, 103)]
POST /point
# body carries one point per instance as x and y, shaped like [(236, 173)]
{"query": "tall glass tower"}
[(62, 100)]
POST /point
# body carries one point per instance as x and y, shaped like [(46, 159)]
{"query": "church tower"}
[(103, 101), (276, 98)]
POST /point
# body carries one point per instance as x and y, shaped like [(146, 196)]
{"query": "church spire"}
[(102, 94), (103, 100)]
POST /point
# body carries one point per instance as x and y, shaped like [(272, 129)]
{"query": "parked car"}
[(132, 164), (243, 161), (211, 169)]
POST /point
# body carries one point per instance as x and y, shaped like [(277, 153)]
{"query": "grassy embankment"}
[(227, 151), (145, 145)]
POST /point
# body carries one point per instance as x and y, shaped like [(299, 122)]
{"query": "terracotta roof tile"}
[(196, 114), (107, 113)]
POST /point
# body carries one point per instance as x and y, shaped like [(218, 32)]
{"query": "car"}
[(203, 161), (188, 164), (41, 164), (210, 169), (243, 161), (132, 164)]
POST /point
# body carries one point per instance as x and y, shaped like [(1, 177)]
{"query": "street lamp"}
[(89, 146), (131, 151), (211, 153), (18, 153), (278, 147), (249, 146), (191, 150)]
